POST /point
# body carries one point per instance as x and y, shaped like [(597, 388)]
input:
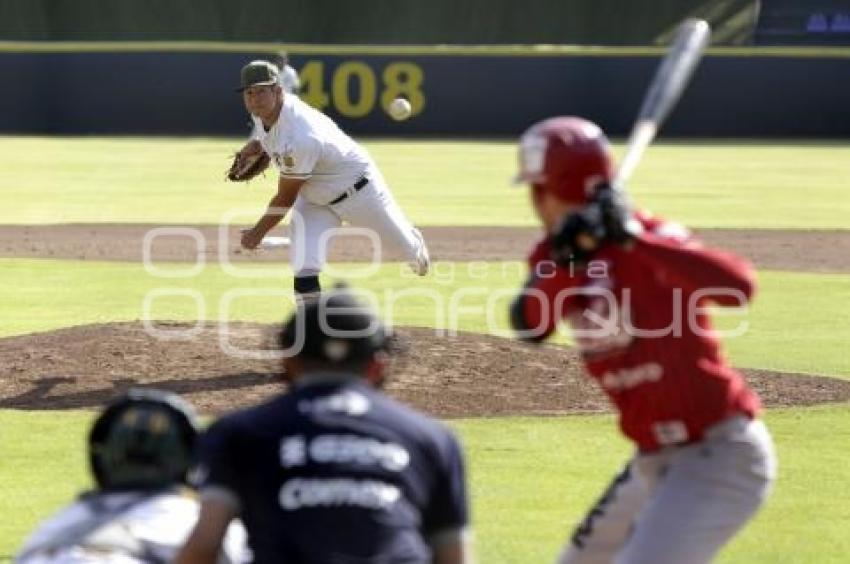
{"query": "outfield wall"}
[(376, 22), (454, 92)]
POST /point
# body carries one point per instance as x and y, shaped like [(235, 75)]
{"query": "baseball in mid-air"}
[(399, 109)]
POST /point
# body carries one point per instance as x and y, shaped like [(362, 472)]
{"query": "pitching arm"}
[(287, 192)]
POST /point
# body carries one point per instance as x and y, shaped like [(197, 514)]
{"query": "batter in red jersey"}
[(634, 290)]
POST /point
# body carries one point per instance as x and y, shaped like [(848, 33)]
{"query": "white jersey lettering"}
[(628, 378), (370, 494), (343, 449)]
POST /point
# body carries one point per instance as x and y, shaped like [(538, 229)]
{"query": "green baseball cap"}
[(258, 73)]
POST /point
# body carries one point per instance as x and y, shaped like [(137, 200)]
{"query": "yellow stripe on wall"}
[(422, 50)]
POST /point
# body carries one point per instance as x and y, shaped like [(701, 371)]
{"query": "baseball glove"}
[(248, 163)]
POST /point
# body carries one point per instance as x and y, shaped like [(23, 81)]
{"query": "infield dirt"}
[(805, 251)]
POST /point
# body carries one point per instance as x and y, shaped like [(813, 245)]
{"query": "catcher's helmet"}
[(336, 329), (144, 440), (567, 156)]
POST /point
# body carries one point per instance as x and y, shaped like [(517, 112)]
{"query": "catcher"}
[(704, 463), (140, 449), (325, 179)]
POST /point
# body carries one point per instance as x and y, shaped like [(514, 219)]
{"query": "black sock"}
[(307, 284)]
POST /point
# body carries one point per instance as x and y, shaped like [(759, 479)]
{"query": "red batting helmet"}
[(568, 156)]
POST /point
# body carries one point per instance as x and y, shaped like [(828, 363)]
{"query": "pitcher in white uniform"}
[(326, 178), (140, 449)]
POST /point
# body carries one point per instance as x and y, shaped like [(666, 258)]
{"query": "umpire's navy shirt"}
[(336, 471)]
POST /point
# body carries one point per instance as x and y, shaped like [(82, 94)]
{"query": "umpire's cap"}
[(144, 440), (336, 329)]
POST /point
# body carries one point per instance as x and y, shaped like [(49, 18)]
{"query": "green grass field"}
[(531, 478), (702, 184)]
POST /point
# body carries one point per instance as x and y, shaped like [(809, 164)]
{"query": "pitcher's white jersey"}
[(342, 184), (125, 528), (306, 144)]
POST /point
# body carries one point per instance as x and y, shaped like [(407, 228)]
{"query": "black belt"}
[(350, 191)]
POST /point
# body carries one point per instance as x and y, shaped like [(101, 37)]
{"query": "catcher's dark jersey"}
[(335, 471)]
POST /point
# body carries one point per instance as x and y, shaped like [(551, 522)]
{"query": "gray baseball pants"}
[(679, 505)]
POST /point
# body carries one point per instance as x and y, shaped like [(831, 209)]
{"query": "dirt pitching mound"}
[(464, 375)]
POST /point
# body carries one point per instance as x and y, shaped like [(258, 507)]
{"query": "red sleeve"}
[(694, 267), (542, 251), (545, 298)]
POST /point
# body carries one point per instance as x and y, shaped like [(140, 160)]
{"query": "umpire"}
[(333, 471)]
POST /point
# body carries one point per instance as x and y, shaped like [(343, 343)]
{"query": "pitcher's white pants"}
[(679, 505), (372, 208)]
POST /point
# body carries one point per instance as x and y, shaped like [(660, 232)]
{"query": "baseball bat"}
[(665, 90)]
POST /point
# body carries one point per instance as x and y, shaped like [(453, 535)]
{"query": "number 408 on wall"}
[(354, 88)]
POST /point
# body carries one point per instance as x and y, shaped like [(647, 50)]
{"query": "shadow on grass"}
[(39, 396)]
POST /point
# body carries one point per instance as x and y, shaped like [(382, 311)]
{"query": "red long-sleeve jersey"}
[(638, 316)]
